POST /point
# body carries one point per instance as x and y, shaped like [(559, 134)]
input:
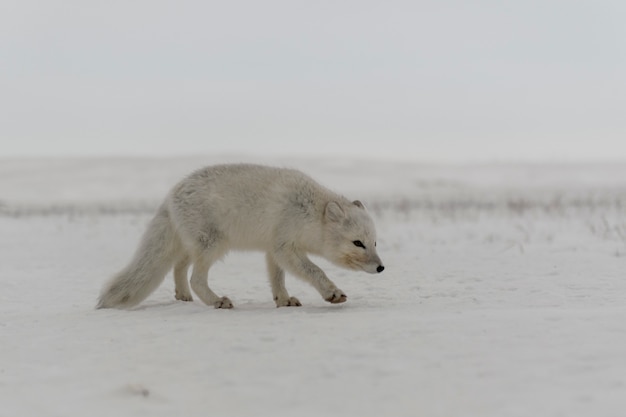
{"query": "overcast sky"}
[(426, 80)]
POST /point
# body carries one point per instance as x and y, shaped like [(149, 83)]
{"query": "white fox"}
[(282, 212)]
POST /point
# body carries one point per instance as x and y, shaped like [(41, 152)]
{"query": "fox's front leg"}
[(277, 281), (301, 266)]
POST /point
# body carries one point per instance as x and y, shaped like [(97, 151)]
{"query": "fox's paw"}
[(287, 302), (336, 296), (183, 297), (223, 302)]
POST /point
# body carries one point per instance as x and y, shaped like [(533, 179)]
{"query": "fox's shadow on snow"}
[(242, 306)]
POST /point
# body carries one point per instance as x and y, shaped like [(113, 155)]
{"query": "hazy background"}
[(426, 80)]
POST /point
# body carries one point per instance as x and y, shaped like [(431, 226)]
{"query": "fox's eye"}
[(359, 244)]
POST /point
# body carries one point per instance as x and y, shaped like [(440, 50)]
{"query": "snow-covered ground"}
[(503, 295)]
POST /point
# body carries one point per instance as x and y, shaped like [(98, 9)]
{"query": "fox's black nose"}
[(380, 269)]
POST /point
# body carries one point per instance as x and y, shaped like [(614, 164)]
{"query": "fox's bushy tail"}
[(152, 261)]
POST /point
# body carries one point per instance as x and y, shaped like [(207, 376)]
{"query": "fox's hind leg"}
[(200, 276), (181, 283), (277, 281)]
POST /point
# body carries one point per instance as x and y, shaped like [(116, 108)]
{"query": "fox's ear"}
[(334, 212), (358, 204)]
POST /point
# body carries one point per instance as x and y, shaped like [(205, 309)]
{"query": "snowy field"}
[(503, 295)]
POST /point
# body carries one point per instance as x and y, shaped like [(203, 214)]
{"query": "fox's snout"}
[(373, 267)]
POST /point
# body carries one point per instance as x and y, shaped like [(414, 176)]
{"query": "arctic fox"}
[(282, 212)]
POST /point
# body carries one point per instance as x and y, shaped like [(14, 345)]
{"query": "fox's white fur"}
[(282, 212)]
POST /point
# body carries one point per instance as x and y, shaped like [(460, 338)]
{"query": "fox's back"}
[(243, 201), (243, 186)]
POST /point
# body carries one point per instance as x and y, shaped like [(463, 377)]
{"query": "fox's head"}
[(350, 237)]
